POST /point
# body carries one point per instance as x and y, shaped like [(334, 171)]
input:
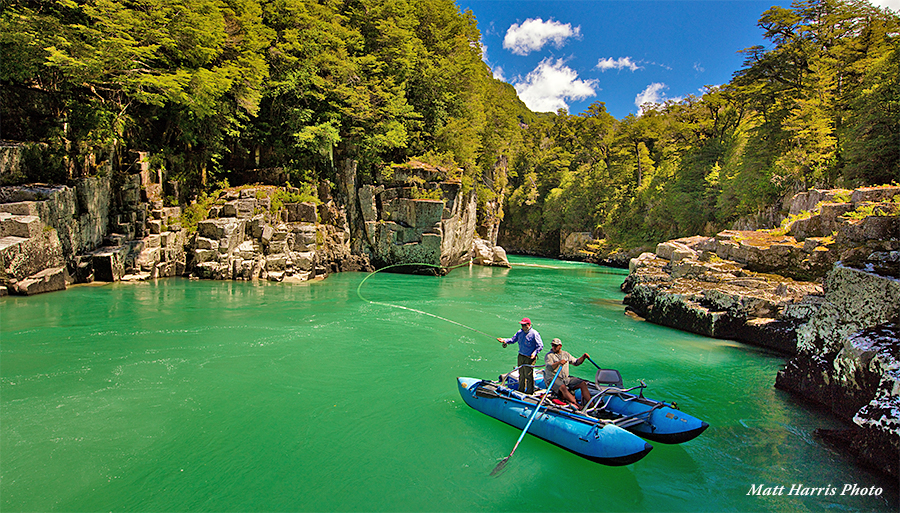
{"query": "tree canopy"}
[(818, 108), (218, 88)]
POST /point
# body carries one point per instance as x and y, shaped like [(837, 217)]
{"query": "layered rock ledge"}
[(686, 285), (123, 228), (840, 331), (848, 360)]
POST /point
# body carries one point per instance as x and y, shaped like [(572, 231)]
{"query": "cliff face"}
[(109, 230), (251, 234), (391, 223), (848, 360), (94, 232), (842, 332), (42, 227)]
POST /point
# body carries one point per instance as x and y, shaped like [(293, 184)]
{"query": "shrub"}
[(422, 193)]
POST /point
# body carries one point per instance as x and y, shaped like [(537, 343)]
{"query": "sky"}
[(571, 53)]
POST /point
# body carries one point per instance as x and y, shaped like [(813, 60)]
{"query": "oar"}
[(595, 364), (502, 463)]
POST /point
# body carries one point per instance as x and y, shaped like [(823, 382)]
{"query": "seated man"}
[(565, 383)]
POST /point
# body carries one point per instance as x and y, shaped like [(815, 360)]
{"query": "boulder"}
[(304, 261), (243, 208), (304, 237), (276, 263), (229, 232), (674, 251), (109, 263), (22, 257), (148, 259), (487, 254), (21, 208), (19, 225), (300, 212), (205, 255), (48, 280), (205, 243)]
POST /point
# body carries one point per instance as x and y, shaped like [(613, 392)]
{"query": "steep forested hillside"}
[(819, 107), (216, 89)]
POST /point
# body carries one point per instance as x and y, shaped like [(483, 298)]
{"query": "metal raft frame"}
[(608, 384)]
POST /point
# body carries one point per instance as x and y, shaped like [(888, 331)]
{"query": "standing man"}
[(530, 345), (565, 384)]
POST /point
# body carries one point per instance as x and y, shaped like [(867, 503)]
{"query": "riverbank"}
[(137, 227), (838, 326), (837, 262)]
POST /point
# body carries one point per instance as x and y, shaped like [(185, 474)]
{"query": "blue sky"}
[(570, 53)]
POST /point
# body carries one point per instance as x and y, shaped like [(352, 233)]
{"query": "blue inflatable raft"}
[(657, 421), (596, 439)]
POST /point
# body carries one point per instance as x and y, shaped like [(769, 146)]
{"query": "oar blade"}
[(500, 466)]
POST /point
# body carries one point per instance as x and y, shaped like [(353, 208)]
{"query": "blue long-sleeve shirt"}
[(530, 342)]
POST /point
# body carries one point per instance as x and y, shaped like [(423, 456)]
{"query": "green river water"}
[(181, 395)]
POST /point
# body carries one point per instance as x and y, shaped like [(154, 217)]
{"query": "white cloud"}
[(548, 86), (620, 63), (893, 4), (497, 72), (534, 33), (653, 94)]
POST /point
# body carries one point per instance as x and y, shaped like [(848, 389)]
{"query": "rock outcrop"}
[(415, 216), (43, 227), (849, 361), (103, 229), (685, 285), (251, 234), (488, 254), (842, 331)]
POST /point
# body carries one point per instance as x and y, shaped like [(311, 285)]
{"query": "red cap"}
[(526, 321)]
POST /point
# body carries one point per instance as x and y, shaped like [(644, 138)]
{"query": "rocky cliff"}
[(42, 227), (840, 328), (848, 360), (105, 229), (414, 214)]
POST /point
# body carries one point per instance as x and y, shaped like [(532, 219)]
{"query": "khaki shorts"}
[(571, 382)]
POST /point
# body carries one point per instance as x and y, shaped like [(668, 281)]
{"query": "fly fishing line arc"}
[(359, 288)]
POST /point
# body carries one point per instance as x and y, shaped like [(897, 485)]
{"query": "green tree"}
[(872, 127)]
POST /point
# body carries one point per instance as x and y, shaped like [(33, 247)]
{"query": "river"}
[(180, 395)]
